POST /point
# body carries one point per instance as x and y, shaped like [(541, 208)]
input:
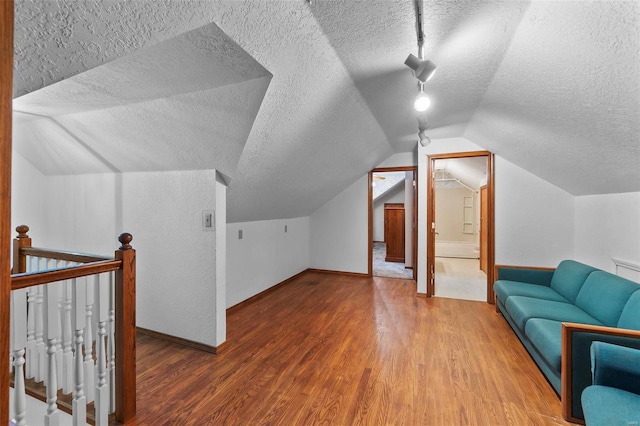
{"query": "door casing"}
[(414, 214), (431, 214)]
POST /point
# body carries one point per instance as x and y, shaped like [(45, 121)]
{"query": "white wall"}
[(28, 191), (534, 219), (265, 256), (401, 159), (339, 231), (221, 260), (176, 258), (395, 195), (177, 286), (608, 226), (408, 219), (450, 214), (84, 213)]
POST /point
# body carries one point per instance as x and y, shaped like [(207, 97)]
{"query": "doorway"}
[(460, 255), (393, 222)]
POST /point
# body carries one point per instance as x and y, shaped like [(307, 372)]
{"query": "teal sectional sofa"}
[(557, 314)]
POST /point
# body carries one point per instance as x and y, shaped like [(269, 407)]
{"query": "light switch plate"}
[(208, 220)]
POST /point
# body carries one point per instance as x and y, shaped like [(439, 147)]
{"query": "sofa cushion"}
[(546, 336), (604, 295), (603, 405), (522, 308), (505, 288), (569, 278), (630, 317)]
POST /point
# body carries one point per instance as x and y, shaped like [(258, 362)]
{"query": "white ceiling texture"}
[(294, 100)]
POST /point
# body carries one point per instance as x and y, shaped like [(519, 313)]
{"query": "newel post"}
[(125, 319), (21, 241)]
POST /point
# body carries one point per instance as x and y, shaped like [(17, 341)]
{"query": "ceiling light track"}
[(423, 70)]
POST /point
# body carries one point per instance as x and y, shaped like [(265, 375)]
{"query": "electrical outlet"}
[(239, 234), (285, 228)]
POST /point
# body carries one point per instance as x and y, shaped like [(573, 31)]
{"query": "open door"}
[(486, 220), (411, 215)]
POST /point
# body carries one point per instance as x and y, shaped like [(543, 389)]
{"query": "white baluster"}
[(18, 343), (59, 357), (32, 355), (89, 368), (52, 330), (112, 343), (41, 355), (67, 339), (102, 315), (79, 403)]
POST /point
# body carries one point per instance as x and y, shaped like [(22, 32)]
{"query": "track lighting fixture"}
[(423, 70), (424, 139)]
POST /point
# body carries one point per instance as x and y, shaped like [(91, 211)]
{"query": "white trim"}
[(625, 264)]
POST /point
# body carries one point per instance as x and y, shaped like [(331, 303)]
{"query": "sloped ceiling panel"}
[(565, 103), (195, 131), (186, 103), (55, 40)]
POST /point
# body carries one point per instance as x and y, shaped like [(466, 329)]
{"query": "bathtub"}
[(464, 249)]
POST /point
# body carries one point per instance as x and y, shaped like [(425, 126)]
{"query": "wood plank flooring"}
[(338, 350)]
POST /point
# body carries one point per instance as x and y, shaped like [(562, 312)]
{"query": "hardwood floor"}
[(332, 349)]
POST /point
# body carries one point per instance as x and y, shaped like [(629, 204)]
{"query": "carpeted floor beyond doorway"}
[(388, 269)]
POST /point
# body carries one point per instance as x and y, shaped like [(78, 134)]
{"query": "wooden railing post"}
[(6, 96), (125, 331), (19, 258)]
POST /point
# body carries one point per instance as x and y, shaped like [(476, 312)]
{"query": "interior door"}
[(394, 231)]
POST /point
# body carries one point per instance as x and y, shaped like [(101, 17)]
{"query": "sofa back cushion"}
[(604, 295), (569, 277), (630, 317)]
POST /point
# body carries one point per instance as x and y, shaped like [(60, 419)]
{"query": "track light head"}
[(423, 70), (424, 139)]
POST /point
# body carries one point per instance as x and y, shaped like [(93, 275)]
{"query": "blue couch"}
[(557, 314), (614, 397)]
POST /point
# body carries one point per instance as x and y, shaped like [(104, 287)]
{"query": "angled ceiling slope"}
[(186, 103), (565, 102)]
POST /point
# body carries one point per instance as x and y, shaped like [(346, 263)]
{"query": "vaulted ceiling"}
[(294, 100)]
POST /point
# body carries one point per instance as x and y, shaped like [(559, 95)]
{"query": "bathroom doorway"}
[(460, 218)]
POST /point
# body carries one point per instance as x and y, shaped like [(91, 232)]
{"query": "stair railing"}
[(73, 332)]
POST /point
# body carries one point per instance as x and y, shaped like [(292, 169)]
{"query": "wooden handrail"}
[(29, 279), (69, 256), (124, 265)]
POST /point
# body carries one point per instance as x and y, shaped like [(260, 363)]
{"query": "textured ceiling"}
[(565, 103), (294, 101), (471, 171)]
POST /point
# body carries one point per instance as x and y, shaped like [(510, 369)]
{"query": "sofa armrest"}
[(615, 366), (525, 274), (576, 361)]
